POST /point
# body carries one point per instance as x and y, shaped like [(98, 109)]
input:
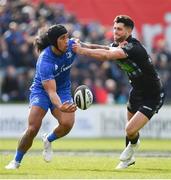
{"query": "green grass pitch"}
[(88, 165)]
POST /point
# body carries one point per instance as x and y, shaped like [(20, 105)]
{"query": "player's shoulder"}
[(45, 57), (135, 43), (44, 53)]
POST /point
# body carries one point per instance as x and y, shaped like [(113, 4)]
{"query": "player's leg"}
[(66, 122), (145, 107), (132, 130), (148, 106), (134, 125), (34, 122), (129, 116), (135, 101)]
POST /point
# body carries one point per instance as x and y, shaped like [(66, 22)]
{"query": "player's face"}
[(120, 32), (63, 42)]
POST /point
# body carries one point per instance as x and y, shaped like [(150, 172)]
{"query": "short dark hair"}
[(126, 20)]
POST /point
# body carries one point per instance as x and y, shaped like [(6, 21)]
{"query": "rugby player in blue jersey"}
[(51, 89)]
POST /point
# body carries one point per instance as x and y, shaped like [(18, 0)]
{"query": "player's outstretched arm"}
[(50, 87), (93, 46), (90, 46), (100, 54)]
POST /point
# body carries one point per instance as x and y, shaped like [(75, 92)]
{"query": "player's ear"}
[(129, 30)]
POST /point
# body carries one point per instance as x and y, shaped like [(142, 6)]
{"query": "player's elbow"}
[(116, 54), (120, 55)]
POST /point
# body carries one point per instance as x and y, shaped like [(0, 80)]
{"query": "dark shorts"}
[(148, 104)]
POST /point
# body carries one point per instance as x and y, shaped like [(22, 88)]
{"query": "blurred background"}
[(90, 21)]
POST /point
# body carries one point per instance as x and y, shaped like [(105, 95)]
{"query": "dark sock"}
[(134, 141), (126, 141)]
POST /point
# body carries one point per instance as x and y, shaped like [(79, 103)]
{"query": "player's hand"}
[(76, 47), (122, 44), (76, 40), (68, 107)]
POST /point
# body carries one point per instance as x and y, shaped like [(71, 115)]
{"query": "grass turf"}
[(92, 144), (86, 166)]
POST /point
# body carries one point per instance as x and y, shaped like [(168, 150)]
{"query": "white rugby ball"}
[(83, 97)]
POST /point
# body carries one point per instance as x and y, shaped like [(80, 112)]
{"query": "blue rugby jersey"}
[(51, 66)]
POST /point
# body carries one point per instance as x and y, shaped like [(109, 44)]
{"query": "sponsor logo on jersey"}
[(129, 46), (146, 107), (68, 55), (63, 69), (35, 100), (56, 67)]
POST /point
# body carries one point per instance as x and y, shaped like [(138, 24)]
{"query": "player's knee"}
[(130, 131), (32, 131), (67, 125)]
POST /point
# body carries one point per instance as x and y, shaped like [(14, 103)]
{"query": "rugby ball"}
[(83, 97)]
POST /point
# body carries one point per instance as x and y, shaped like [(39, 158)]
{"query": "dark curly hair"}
[(42, 40), (47, 37)]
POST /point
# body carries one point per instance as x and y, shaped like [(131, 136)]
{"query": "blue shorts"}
[(42, 99)]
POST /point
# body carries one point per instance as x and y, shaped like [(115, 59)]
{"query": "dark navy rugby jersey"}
[(51, 66), (139, 68)]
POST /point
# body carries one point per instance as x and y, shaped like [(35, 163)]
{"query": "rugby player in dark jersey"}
[(146, 96)]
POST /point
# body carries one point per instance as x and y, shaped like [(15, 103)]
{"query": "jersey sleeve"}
[(133, 49), (70, 43), (46, 71)]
